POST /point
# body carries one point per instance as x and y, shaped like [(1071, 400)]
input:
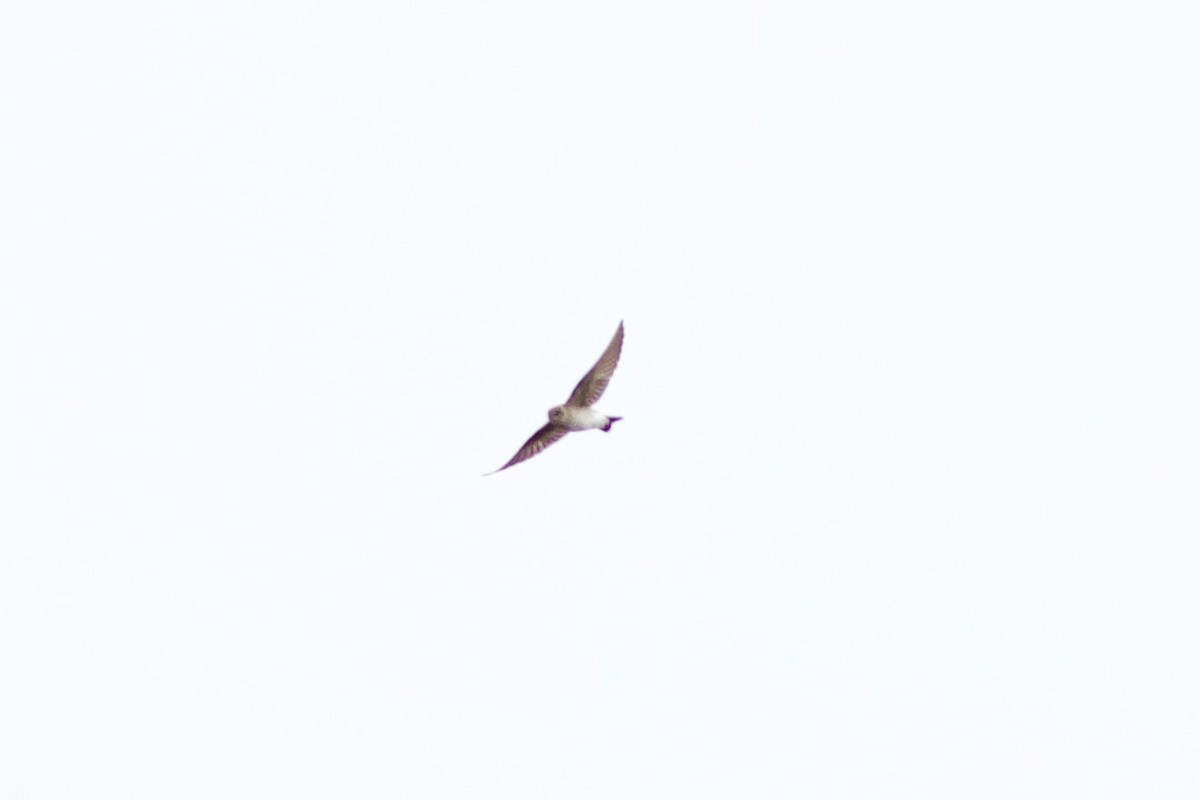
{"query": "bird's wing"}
[(589, 389), (546, 436)]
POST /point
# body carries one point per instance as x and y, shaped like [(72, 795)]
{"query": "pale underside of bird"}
[(577, 413)]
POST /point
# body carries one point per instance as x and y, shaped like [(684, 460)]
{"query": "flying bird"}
[(577, 413)]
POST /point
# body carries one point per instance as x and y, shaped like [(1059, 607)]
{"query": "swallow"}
[(577, 413)]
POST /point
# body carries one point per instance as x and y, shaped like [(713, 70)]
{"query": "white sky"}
[(905, 499)]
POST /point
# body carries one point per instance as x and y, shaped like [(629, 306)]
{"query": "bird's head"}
[(556, 413)]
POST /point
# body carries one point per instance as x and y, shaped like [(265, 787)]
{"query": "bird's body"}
[(577, 413), (575, 418)]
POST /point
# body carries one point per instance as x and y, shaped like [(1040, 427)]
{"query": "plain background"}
[(905, 499)]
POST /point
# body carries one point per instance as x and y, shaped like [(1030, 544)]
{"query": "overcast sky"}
[(904, 502)]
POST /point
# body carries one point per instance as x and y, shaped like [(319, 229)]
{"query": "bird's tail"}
[(608, 424)]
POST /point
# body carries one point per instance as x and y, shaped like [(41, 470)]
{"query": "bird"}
[(577, 413)]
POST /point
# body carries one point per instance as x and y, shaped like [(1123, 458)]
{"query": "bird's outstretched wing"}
[(547, 435), (589, 389)]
